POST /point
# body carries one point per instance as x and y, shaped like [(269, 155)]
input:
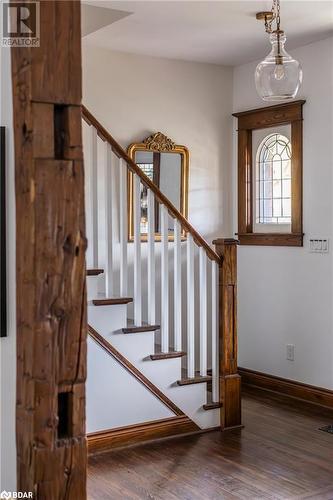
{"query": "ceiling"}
[(219, 32)]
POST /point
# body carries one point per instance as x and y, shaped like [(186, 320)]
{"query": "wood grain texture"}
[(245, 182), (121, 153), (140, 329), (279, 455), (230, 381), (50, 260), (167, 355), (212, 406), (286, 113), (272, 239), (138, 433), (112, 351), (297, 177), (198, 379), (94, 272), (309, 393), (270, 116), (112, 302)]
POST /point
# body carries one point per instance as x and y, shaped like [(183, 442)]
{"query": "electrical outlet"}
[(318, 245), (290, 352)]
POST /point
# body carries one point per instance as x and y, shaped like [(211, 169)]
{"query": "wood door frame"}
[(50, 258)]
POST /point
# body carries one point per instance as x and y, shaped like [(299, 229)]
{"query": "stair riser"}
[(92, 287), (114, 397), (109, 320)]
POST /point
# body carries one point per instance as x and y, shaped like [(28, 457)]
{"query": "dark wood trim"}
[(270, 116), (112, 302), (94, 272), (195, 380), (121, 153), (50, 258), (305, 392), (138, 433), (3, 236), (212, 406), (112, 351), (167, 355), (297, 177), (286, 113), (270, 239), (140, 329), (230, 381)]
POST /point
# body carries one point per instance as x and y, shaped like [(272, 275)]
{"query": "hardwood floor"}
[(280, 454)]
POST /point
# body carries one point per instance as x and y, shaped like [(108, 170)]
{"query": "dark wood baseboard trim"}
[(305, 392), (133, 434)]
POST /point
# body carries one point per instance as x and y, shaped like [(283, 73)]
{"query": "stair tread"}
[(131, 328), (94, 272), (167, 355), (212, 406), (112, 301), (194, 380)]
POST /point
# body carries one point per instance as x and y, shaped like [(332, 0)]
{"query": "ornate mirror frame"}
[(159, 143)]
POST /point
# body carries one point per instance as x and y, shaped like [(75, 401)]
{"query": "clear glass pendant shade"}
[(278, 77)]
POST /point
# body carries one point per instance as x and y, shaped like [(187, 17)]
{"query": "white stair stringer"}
[(136, 347)]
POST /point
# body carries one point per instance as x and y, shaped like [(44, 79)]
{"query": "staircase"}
[(162, 345)]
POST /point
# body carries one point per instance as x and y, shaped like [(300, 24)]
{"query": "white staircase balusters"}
[(123, 231), (109, 189), (190, 308), (177, 287), (164, 279), (203, 290), (183, 307), (215, 334), (151, 259), (94, 197), (137, 250)]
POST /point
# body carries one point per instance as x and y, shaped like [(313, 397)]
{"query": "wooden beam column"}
[(50, 268), (230, 380)]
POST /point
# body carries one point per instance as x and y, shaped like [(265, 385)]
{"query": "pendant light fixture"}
[(278, 77)]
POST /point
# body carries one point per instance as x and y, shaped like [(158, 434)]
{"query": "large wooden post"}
[(51, 244), (230, 381)]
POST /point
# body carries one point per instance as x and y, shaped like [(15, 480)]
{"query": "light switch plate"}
[(318, 245), (290, 352)]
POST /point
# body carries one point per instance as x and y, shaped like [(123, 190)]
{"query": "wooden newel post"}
[(230, 380)]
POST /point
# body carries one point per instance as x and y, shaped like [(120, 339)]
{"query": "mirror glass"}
[(167, 165), (165, 170)]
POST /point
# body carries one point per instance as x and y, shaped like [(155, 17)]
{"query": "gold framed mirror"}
[(167, 165)]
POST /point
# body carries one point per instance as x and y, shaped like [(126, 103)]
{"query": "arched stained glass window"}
[(273, 180)]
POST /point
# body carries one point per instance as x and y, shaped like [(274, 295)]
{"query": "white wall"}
[(285, 294), (111, 405), (8, 344), (133, 96)]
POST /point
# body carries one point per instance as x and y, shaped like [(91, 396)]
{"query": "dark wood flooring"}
[(280, 454)]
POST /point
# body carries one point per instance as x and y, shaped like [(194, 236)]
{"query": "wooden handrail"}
[(121, 153)]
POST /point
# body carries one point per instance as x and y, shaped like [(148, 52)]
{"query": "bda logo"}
[(5, 494)]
